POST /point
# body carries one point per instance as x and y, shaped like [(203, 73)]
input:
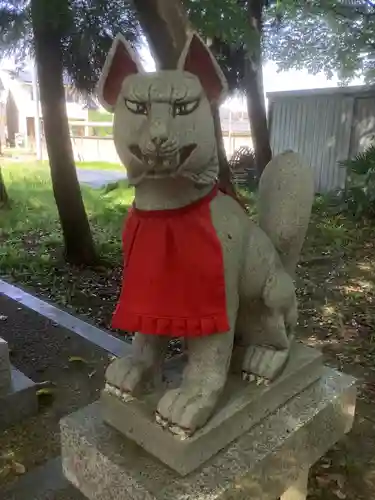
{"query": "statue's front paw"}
[(263, 364), (183, 411), (125, 377)]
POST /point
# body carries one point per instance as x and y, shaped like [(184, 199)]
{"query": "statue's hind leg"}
[(267, 330)]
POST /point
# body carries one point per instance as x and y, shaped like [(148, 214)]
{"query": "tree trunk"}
[(254, 90), (165, 22), (4, 199), (79, 246)]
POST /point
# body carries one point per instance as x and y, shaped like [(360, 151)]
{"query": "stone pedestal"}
[(243, 405), (17, 392), (269, 461)]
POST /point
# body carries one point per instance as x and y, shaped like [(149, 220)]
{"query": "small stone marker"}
[(17, 392), (5, 369)]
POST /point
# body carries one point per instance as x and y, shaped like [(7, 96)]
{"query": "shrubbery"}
[(358, 196)]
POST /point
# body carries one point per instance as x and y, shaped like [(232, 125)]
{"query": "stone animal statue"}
[(195, 265)]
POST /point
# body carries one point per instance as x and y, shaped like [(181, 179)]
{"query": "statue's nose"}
[(159, 140), (158, 132)]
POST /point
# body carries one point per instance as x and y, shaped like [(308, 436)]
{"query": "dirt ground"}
[(69, 371)]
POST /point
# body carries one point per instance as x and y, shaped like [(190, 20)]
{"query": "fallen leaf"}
[(340, 494), (3, 318), (77, 359), (45, 391), (18, 468), (45, 383), (91, 374)]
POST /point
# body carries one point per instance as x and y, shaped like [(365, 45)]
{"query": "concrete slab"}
[(242, 406), (46, 482), (101, 338), (99, 178), (262, 464), (20, 401)]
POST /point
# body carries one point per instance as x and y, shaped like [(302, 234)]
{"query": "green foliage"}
[(223, 19), (333, 36), (85, 30), (358, 196), (226, 24)]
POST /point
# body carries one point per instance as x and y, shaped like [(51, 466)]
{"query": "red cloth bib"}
[(173, 280)]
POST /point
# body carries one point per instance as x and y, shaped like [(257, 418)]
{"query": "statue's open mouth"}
[(159, 164), (186, 152)]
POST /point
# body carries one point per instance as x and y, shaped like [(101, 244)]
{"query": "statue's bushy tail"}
[(286, 194)]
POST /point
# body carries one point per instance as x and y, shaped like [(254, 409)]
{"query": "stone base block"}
[(5, 378), (242, 406), (19, 401), (264, 463)]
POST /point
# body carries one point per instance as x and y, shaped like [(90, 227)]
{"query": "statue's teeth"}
[(110, 388), (126, 397), (160, 420), (115, 391), (177, 431)]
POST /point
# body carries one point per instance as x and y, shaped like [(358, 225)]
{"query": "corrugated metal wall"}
[(324, 127), (318, 127)]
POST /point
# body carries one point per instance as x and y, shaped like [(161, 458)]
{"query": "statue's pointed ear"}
[(121, 62), (199, 60)]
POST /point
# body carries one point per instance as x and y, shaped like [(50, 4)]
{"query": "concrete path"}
[(99, 178), (46, 482)]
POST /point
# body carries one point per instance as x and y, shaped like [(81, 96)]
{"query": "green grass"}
[(86, 165), (30, 235)]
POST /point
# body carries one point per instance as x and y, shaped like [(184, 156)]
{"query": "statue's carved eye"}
[(185, 108), (138, 108)]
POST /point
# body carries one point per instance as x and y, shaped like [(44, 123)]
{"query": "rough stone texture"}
[(285, 218), (173, 162), (243, 405), (5, 371), (20, 401), (262, 464)]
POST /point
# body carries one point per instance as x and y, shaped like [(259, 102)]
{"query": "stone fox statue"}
[(195, 265)]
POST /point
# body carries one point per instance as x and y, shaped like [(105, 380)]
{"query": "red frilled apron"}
[(173, 280)]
